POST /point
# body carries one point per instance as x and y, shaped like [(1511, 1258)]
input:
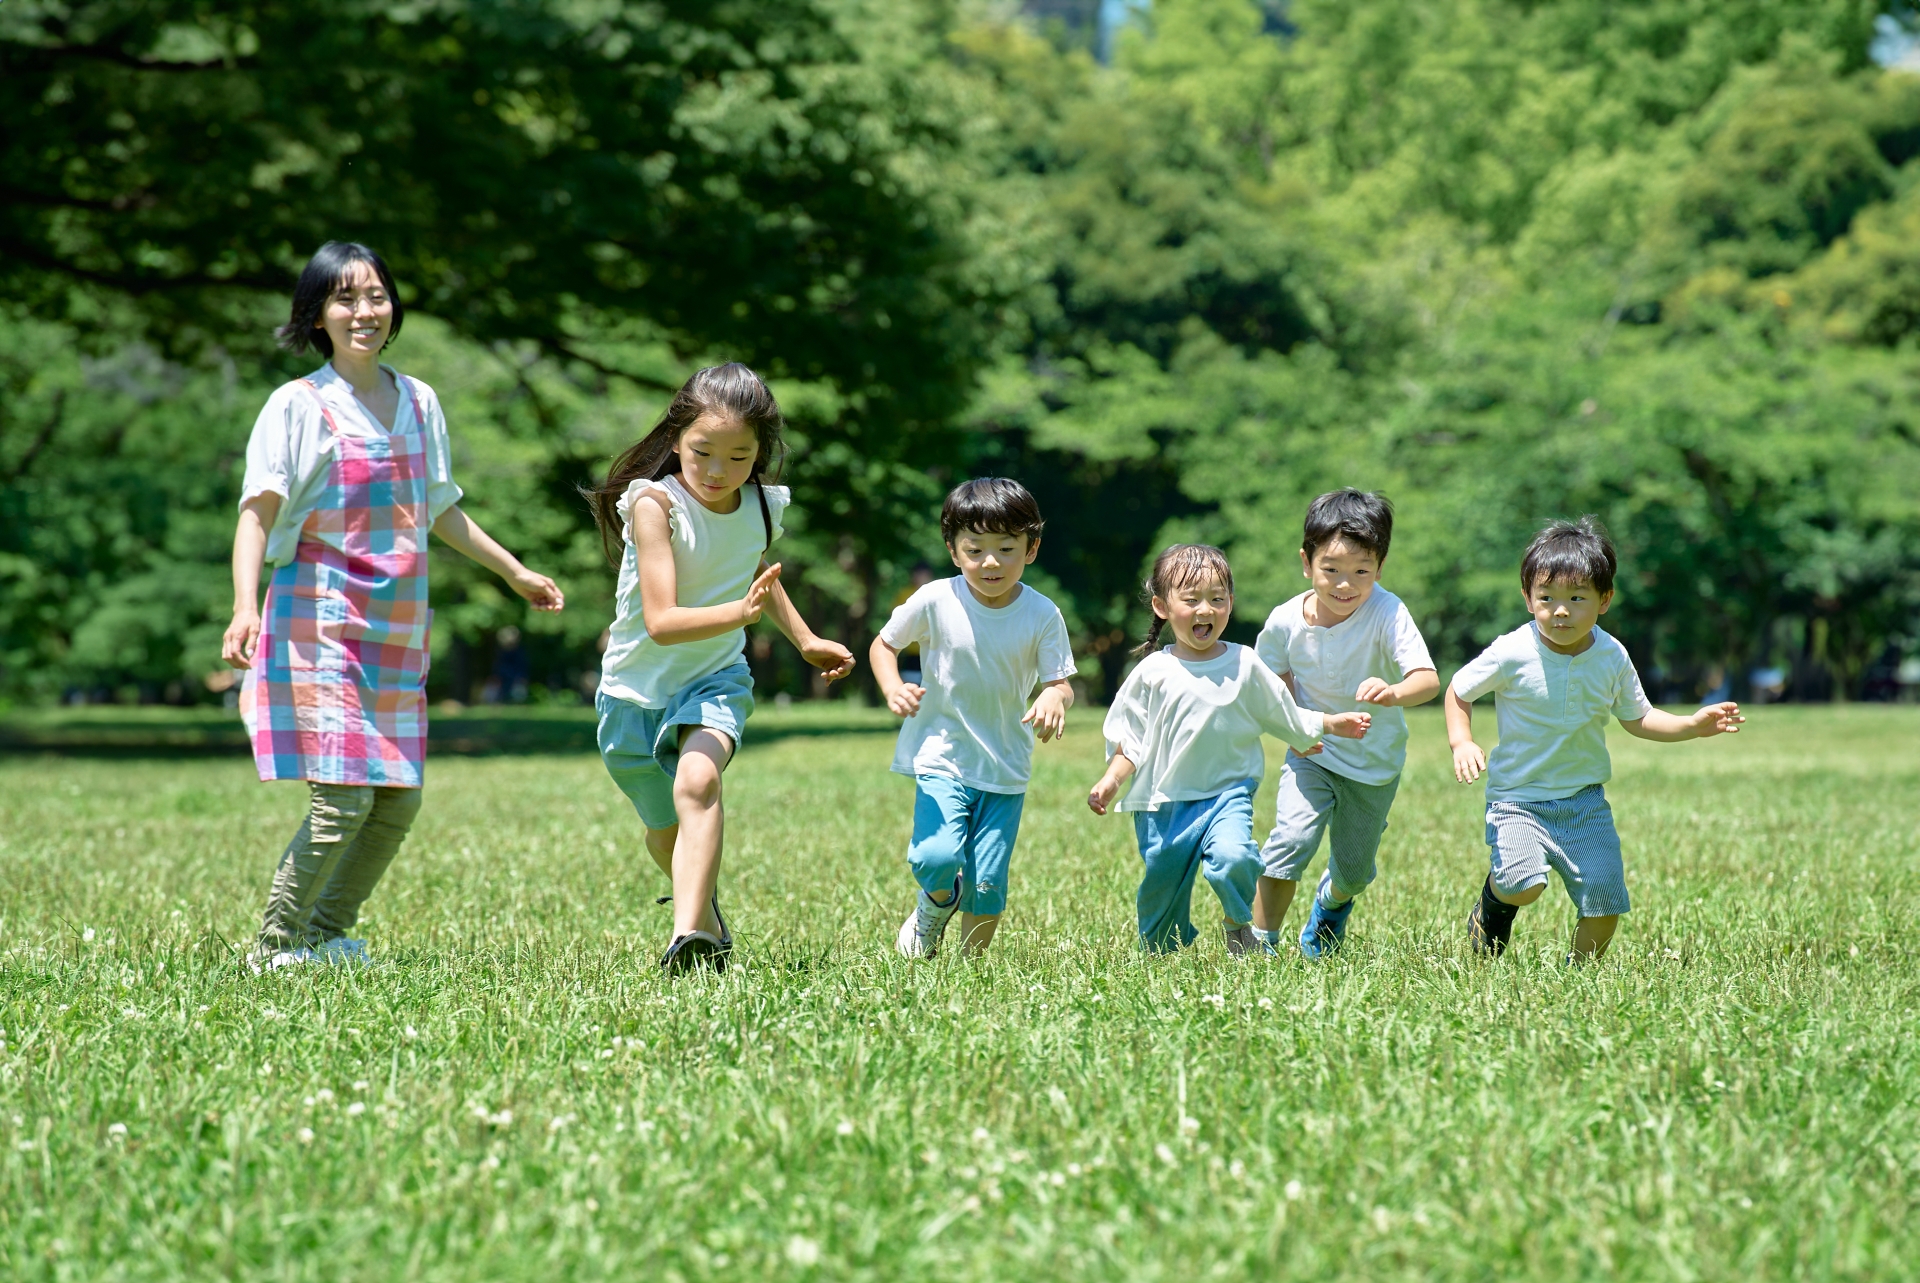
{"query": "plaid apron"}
[(337, 691)]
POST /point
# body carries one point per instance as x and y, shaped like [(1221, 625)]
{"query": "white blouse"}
[(291, 450)]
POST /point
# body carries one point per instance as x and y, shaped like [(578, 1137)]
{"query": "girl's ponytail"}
[(1178, 566), (730, 391)]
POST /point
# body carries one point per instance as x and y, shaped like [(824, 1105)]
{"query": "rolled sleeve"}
[(270, 450)]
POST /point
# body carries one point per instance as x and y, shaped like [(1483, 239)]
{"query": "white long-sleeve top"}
[(1192, 730)]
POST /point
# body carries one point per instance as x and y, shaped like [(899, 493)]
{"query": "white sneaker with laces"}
[(920, 933), (343, 952), (280, 961)]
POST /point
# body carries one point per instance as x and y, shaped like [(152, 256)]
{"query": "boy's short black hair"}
[(990, 505), (1362, 519), (1567, 552)]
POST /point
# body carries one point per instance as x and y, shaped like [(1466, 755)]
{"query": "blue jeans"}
[(964, 832), (641, 746), (1211, 835)]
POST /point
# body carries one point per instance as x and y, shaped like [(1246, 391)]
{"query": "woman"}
[(347, 470)]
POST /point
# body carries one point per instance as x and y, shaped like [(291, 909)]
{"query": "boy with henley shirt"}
[(986, 642)]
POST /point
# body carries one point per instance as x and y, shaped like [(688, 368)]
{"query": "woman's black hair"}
[(730, 391), (325, 273), (1566, 552), (1178, 566), (1355, 517)]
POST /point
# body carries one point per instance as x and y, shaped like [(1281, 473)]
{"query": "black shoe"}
[(694, 949), (1487, 940)]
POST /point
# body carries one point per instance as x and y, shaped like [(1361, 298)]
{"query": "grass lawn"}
[(516, 1094)]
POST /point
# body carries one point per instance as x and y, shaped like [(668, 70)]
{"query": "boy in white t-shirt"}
[(1345, 644), (986, 642), (1557, 680)]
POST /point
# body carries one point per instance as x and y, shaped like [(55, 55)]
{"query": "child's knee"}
[(936, 859), (1519, 887), (696, 783)]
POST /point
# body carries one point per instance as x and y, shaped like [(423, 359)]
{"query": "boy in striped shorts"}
[(1557, 680)]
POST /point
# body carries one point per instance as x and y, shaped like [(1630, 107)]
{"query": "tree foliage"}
[(1505, 259)]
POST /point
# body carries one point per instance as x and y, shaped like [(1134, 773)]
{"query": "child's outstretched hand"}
[(1717, 719), (1048, 716), (905, 700), (756, 601), (1349, 726), (832, 659), (1468, 762)]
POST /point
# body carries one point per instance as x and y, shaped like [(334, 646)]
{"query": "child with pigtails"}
[(1185, 728)]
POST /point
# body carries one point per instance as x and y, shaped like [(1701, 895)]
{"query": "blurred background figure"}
[(508, 682)]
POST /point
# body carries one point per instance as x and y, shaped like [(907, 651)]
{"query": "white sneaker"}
[(285, 958), (343, 952), (920, 933)]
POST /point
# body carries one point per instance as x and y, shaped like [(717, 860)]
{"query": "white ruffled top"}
[(715, 558)]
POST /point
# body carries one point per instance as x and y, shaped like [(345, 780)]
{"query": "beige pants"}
[(347, 841)]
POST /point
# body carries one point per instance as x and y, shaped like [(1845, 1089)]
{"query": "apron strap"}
[(326, 411), (414, 397)]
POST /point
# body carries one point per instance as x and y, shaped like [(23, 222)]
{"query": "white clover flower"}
[(1165, 1155), (356, 1109), (802, 1251), (844, 1129), (1189, 1126), (981, 1136), (325, 1095), (117, 1130), (1294, 1190), (1266, 1004), (87, 937), (304, 1135), (359, 1084), (558, 1122)]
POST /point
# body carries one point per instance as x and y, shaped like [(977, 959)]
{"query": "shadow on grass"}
[(194, 732)]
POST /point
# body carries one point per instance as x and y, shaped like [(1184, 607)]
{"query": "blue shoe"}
[(1326, 929)]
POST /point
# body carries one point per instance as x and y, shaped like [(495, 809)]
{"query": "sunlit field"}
[(516, 1093)]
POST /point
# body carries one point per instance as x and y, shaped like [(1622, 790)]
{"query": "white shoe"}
[(920, 933), (280, 961), (343, 952)]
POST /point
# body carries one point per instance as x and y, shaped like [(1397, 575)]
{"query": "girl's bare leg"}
[(696, 848), (976, 932), (660, 847), (1271, 902)]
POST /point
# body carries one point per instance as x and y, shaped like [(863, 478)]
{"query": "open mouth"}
[(1202, 632)]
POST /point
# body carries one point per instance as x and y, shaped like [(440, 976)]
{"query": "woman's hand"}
[(242, 638), (541, 592)]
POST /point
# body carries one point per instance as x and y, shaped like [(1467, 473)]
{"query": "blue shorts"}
[(1574, 836), (1212, 836), (964, 832), (641, 746)]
